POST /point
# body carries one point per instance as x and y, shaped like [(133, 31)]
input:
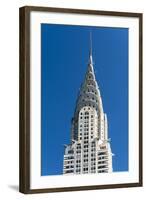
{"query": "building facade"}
[(89, 150)]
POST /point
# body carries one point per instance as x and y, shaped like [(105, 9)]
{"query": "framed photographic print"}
[(80, 99)]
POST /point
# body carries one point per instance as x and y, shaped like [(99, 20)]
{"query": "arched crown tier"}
[(89, 94)]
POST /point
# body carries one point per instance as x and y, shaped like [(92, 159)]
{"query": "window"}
[(93, 149), (70, 151), (103, 147), (93, 144), (91, 116), (101, 162), (69, 162), (100, 167), (92, 168), (69, 171), (101, 153), (93, 159), (102, 171), (86, 125), (69, 157)]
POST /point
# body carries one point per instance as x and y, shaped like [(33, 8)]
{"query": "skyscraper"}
[(89, 150)]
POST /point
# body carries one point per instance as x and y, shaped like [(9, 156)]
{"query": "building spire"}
[(90, 51), (90, 43)]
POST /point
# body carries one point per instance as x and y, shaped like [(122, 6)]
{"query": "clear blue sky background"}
[(64, 58)]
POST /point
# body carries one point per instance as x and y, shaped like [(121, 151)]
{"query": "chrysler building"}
[(89, 150)]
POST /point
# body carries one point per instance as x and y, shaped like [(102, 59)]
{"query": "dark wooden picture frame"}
[(24, 91)]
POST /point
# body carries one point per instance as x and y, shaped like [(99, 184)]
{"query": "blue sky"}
[(64, 58)]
